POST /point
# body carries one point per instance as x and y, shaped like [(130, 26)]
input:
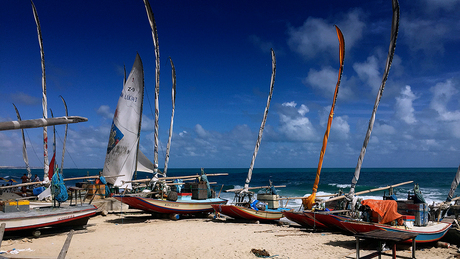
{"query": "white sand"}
[(137, 235)]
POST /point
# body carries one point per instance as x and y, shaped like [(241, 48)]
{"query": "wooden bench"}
[(75, 191), (382, 235)]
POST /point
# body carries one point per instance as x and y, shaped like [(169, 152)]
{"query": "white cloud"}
[(442, 94), (368, 72), (339, 127), (381, 128), (404, 105), (325, 82), (200, 131), (317, 36), (104, 111), (293, 125), (303, 109)]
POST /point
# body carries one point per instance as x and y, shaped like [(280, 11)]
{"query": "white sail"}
[(121, 158), (143, 163), (454, 185)]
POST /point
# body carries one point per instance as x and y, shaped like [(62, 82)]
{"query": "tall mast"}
[(44, 101), (24, 148), (153, 26), (262, 126), (391, 52), (65, 135), (308, 202)]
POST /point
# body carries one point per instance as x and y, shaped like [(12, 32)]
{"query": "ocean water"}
[(434, 182)]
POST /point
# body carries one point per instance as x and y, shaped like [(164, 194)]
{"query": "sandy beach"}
[(137, 235)]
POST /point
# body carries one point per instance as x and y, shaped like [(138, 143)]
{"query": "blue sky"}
[(221, 51)]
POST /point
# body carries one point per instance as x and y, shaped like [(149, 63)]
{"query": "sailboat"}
[(310, 217), (17, 215), (385, 212), (123, 153), (266, 206), (160, 197), (301, 217)]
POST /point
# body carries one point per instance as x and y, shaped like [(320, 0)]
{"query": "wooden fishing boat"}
[(240, 212), (124, 158), (47, 217), (309, 218), (434, 231), (163, 206)]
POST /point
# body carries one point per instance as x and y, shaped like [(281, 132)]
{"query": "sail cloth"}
[(454, 185), (121, 158), (143, 163), (308, 202)]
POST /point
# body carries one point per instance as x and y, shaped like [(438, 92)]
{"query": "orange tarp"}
[(387, 209)]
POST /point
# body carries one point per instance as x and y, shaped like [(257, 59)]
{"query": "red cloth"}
[(51, 168), (387, 209)]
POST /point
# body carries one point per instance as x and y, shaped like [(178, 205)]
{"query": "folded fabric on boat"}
[(387, 209)]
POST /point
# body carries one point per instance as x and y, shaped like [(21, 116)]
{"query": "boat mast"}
[(65, 136), (24, 148), (308, 202), (261, 129), (391, 52), (153, 26), (44, 100), (173, 96)]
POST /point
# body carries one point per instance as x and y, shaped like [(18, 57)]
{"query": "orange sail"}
[(310, 200)]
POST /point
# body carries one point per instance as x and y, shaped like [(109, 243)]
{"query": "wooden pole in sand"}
[(2, 231), (65, 248)]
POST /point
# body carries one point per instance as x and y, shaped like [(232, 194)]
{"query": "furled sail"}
[(121, 158), (24, 148), (308, 202), (262, 126), (44, 100), (173, 96), (391, 52), (153, 26), (454, 185)]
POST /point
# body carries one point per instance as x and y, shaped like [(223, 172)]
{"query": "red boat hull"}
[(304, 219)]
